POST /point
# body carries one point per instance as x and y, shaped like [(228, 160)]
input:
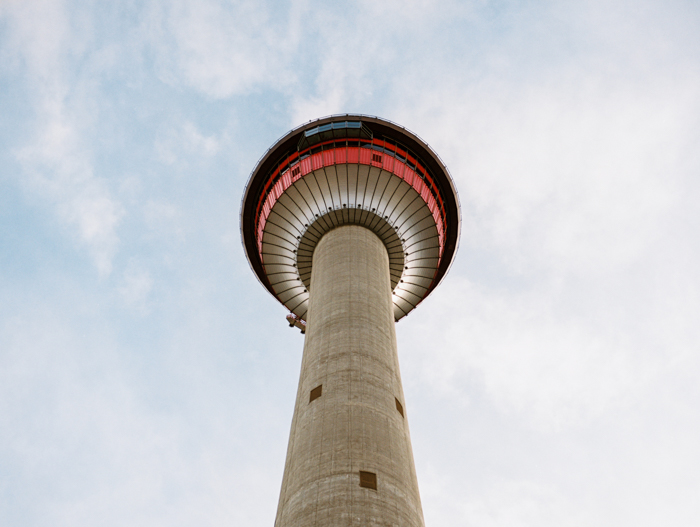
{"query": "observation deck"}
[(350, 169)]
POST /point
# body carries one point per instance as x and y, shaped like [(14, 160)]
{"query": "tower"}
[(350, 221)]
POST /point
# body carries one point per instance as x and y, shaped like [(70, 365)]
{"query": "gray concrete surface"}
[(350, 349)]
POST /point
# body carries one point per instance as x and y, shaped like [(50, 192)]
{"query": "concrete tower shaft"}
[(349, 460)]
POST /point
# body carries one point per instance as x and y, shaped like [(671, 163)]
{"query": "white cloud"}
[(57, 160), (553, 367), (160, 214), (573, 196), (223, 50), (57, 168), (88, 435), (519, 504), (185, 139), (136, 287), (564, 179)]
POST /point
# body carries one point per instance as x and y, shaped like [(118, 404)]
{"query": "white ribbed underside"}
[(350, 194)]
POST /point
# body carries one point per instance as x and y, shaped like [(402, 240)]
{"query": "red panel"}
[(341, 156), (409, 175), (418, 184), (305, 166), (365, 156), (353, 154), (328, 159), (399, 168), (317, 160), (388, 163), (287, 180), (277, 190), (431, 204)]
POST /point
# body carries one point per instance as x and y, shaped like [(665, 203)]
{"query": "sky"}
[(148, 379)]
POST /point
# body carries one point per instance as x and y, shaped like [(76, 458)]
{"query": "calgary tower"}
[(350, 221)]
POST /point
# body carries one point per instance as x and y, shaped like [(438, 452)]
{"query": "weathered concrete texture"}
[(354, 425)]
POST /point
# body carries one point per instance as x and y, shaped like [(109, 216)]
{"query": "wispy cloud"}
[(57, 160), (136, 288), (224, 50), (185, 139), (530, 352)]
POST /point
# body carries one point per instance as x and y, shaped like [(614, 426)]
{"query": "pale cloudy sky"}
[(146, 378)]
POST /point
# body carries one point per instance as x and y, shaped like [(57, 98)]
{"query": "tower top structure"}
[(350, 169)]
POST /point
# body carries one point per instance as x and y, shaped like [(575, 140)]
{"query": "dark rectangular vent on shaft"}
[(376, 158), (316, 392), (368, 480), (399, 407)]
